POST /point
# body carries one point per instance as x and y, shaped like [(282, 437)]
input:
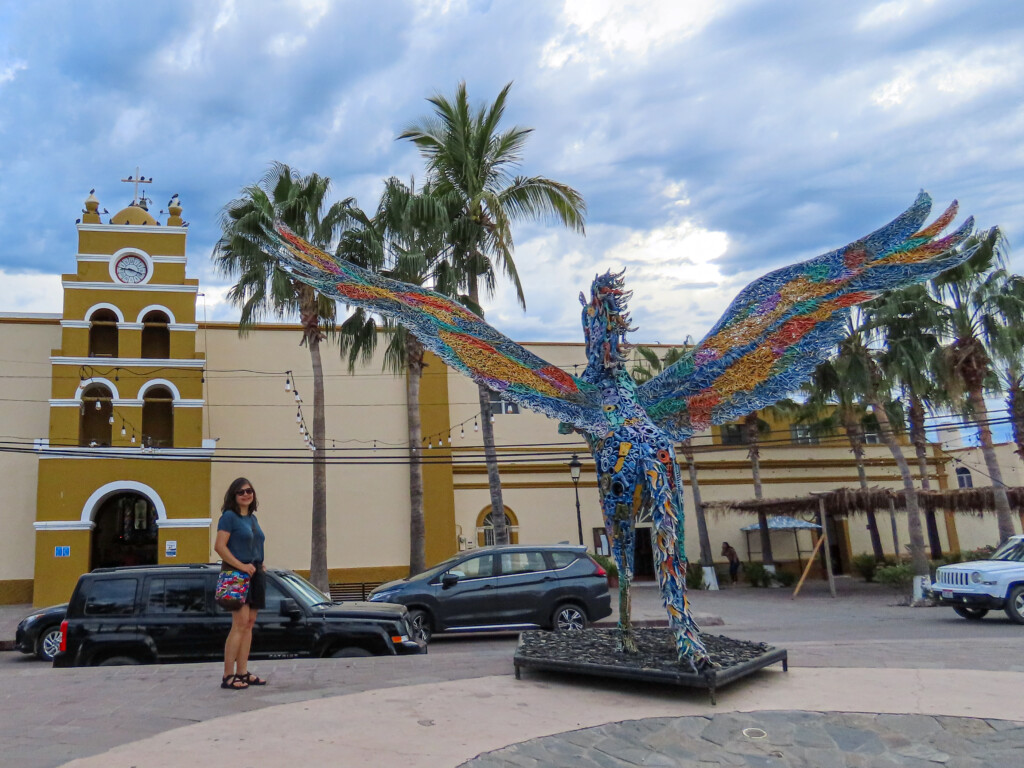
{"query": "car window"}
[(561, 559), (522, 562), (274, 597), (110, 597), (176, 595), (476, 567)]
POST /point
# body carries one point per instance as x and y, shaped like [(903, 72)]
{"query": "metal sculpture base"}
[(593, 652)]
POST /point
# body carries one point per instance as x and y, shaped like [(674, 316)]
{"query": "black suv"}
[(146, 614), (506, 587)]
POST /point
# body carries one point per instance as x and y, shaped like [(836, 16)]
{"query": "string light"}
[(462, 432), (111, 419), (288, 382), (476, 427), (123, 430), (98, 406)]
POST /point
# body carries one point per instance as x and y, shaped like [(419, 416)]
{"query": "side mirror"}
[(450, 579), (290, 608)]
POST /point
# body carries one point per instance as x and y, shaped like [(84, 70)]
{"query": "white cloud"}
[(934, 79), (597, 29), (30, 293), (891, 12), (10, 71)]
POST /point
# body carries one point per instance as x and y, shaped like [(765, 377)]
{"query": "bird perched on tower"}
[(768, 342)]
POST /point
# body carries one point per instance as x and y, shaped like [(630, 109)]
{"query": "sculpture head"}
[(606, 321)]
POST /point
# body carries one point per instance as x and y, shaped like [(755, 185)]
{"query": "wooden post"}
[(807, 569), (828, 554)]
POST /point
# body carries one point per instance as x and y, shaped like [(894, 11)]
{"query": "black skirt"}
[(256, 599)]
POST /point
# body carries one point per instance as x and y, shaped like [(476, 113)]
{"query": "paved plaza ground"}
[(870, 683)]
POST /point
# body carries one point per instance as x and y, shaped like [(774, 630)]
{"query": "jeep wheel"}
[(118, 661), (568, 618), (420, 621), (1015, 604), (48, 644), (973, 614), (350, 653)]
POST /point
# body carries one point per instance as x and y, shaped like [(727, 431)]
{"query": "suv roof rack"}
[(119, 568)]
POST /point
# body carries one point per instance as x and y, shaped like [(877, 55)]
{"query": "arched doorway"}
[(125, 532)]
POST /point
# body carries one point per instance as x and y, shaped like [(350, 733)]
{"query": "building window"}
[(734, 434), (96, 415), (499, 406), (963, 478), (485, 528), (156, 336), (158, 418), (800, 434), (103, 333), (872, 438)]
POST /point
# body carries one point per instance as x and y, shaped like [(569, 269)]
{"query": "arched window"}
[(158, 418), (963, 478), (103, 333), (156, 336), (96, 413), (485, 527)]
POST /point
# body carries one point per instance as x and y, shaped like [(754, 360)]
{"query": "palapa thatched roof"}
[(847, 501)]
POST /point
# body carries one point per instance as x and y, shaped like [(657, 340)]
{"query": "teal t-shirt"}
[(245, 539)]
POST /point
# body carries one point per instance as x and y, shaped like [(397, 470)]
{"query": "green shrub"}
[(865, 565), (757, 575), (785, 578), (694, 576), (981, 553), (952, 558), (608, 563), (899, 577)]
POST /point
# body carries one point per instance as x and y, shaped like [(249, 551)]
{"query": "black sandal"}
[(230, 682), (251, 679)]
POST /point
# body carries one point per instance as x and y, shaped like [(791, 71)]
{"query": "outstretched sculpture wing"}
[(781, 326), (459, 337)]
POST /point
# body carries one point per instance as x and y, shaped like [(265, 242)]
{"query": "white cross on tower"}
[(136, 180)]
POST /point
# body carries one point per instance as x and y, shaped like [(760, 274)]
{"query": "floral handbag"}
[(232, 588)]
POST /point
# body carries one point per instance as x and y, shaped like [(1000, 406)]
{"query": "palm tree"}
[(1008, 352), (976, 309), (263, 289), (646, 368), (405, 240), (469, 156), (834, 402), (908, 324)]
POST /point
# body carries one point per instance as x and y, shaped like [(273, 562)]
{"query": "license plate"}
[(948, 594)]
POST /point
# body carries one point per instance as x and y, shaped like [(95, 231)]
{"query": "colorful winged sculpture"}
[(767, 343)]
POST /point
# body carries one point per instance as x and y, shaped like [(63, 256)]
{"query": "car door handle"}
[(548, 578), (488, 586)]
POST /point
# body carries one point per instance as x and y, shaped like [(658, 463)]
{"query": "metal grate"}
[(353, 590), (954, 578)]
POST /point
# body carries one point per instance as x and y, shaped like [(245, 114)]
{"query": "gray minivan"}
[(510, 587)]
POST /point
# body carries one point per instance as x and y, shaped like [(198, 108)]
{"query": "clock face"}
[(131, 269)]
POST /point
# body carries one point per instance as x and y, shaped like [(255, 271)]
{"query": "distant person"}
[(240, 546), (734, 561)]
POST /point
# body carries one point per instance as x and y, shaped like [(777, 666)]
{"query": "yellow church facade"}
[(126, 417)]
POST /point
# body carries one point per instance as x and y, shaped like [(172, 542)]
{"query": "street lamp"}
[(574, 470)]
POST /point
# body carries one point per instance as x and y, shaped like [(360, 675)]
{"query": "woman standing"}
[(240, 546)]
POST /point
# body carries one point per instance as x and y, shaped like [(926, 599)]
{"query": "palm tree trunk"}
[(706, 556), (750, 424), (417, 528), (318, 543), (920, 562), (853, 434), (980, 415), (490, 452), (919, 438)]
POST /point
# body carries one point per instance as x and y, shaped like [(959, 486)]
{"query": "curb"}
[(6, 645), (703, 620)]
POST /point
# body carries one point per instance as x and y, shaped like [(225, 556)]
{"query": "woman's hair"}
[(231, 498)]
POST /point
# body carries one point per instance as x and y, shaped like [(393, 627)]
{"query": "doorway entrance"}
[(125, 532), (643, 554)]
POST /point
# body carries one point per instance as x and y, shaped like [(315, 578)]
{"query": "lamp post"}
[(575, 467)]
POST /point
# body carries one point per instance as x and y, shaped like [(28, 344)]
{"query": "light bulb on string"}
[(123, 431), (298, 417), (287, 384), (133, 437), (297, 398), (462, 432), (476, 426), (430, 444), (492, 418), (111, 419), (98, 406)]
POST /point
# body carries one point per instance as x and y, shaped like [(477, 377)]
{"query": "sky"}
[(713, 140)]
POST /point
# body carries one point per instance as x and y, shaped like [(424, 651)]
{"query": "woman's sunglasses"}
[(245, 492)]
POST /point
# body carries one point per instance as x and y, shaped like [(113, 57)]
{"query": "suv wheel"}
[(568, 618), (350, 653), (970, 613), (48, 644), (119, 661), (420, 621), (1015, 604)]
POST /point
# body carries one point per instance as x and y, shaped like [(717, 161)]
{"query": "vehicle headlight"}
[(382, 597)]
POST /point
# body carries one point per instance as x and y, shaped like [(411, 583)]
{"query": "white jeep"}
[(973, 589)]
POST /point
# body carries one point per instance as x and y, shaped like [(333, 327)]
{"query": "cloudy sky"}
[(712, 139)]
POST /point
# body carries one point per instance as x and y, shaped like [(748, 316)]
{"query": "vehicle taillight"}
[(600, 571), (64, 636)]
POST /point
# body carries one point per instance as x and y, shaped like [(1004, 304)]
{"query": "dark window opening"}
[(103, 333), (499, 406), (96, 412), (156, 336), (801, 434), (734, 434), (158, 418), (963, 478)]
